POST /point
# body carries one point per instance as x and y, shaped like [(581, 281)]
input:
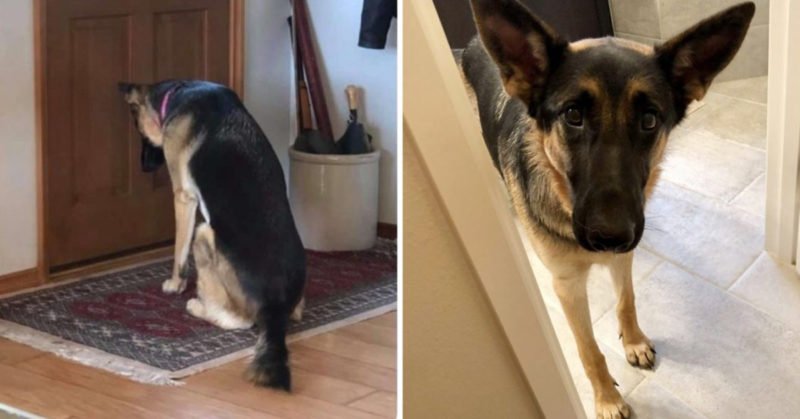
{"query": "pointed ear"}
[(124, 87), (132, 92), (525, 49), (693, 58)]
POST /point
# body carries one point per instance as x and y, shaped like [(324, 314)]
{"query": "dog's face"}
[(604, 107), (147, 123)]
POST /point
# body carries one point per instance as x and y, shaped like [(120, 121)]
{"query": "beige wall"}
[(457, 362), (17, 138)]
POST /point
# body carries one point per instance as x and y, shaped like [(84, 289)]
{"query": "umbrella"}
[(319, 141), (354, 140)]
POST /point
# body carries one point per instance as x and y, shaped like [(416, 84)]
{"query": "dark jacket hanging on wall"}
[(376, 18)]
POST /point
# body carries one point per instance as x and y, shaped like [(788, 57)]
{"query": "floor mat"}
[(122, 322)]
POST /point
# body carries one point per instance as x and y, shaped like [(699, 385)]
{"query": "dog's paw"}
[(196, 308), (612, 408), (173, 286), (640, 354), (297, 313)]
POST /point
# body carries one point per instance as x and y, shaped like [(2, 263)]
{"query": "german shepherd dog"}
[(250, 260), (577, 132)]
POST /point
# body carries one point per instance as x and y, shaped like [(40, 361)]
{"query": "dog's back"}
[(244, 190)]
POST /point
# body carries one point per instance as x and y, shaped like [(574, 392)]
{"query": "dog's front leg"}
[(185, 212), (571, 291), (638, 349)]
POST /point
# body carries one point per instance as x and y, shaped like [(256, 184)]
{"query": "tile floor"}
[(724, 316)]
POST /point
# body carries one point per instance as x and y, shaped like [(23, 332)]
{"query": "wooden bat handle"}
[(352, 97)]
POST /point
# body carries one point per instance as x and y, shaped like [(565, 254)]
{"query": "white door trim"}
[(438, 114), (783, 130)]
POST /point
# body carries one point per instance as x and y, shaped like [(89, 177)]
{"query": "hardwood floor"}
[(347, 373)]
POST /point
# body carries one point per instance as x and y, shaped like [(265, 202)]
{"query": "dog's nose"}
[(616, 237)]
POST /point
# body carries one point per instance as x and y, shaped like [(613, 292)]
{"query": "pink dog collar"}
[(164, 102)]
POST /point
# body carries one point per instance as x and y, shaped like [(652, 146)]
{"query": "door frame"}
[(447, 135), (783, 132), (236, 60)]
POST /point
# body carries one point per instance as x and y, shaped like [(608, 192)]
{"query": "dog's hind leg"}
[(570, 286), (185, 212), (214, 302), (638, 348)]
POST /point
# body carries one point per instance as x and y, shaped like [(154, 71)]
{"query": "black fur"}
[(242, 185), (610, 151)]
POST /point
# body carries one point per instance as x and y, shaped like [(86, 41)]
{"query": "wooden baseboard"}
[(20, 280), (110, 264), (387, 231), (30, 278)]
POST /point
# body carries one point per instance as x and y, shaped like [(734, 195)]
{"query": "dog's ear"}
[(125, 87), (132, 92), (693, 58), (152, 157), (525, 49)]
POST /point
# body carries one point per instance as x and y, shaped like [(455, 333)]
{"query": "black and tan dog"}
[(250, 261), (577, 131)]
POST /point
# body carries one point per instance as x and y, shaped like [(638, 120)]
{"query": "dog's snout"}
[(610, 235), (609, 221)]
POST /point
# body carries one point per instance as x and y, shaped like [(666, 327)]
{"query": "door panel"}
[(99, 202), (180, 44), (98, 50)]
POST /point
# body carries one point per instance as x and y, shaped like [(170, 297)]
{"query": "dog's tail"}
[(270, 367)]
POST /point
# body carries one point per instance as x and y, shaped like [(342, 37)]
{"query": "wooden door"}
[(98, 202), (573, 19)]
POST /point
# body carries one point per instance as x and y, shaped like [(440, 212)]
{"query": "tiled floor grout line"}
[(652, 379), (643, 278), (744, 273), (714, 198), (752, 102), (713, 136), (740, 193), (693, 273), (724, 290)]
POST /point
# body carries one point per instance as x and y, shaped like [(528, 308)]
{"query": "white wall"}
[(336, 26), (17, 138), (268, 72), (268, 79)]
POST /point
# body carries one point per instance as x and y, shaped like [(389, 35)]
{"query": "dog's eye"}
[(649, 121), (574, 116)]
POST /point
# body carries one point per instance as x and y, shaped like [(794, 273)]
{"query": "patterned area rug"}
[(8, 412), (122, 322)]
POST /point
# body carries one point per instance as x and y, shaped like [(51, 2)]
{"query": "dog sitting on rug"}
[(250, 260)]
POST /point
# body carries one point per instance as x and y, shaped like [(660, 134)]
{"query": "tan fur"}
[(570, 267), (638, 348), (656, 156), (549, 151), (220, 299), (148, 118), (570, 263), (178, 152), (584, 44), (587, 43)]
